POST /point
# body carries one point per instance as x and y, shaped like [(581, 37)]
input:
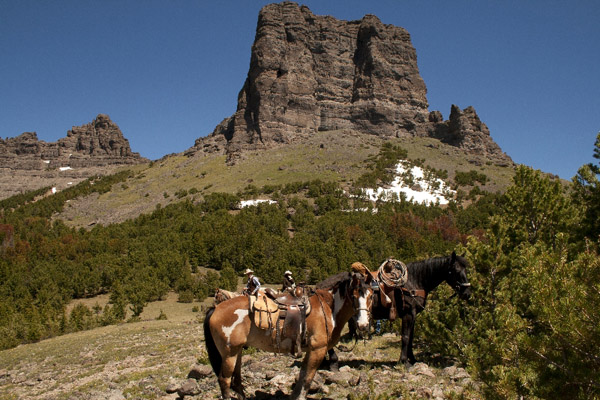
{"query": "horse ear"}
[(356, 277), (453, 256)]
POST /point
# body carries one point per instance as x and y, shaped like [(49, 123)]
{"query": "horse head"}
[(361, 293), (219, 296), (457, 276)]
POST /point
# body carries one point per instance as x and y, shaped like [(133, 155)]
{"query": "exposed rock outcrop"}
[(27, 163), (465, 130), (309, 73)]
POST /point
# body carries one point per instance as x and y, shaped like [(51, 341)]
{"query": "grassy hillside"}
[(135, 360), (338, 156)]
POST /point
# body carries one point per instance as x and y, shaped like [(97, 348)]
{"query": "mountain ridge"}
[(95, 148), (312, 73), (366, 90)]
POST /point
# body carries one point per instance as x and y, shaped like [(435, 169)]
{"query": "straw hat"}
[(248, 271)]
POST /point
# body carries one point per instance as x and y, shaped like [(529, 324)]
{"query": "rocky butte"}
[(312, 73), (96, 148)]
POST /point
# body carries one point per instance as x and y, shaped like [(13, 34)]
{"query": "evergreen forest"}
[(530, 330)]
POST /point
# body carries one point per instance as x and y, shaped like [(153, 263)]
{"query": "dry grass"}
[(338, 156), (137, 358)]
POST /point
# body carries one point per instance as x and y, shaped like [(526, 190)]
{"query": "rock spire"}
[(309, 73)]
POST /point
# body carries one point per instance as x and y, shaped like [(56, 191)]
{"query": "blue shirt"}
[(253, 285)]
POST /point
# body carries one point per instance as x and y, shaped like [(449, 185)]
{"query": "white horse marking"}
[(229, 330), (363, 315), (338, 302)]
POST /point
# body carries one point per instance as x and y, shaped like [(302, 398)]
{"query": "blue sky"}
[(167, 72)]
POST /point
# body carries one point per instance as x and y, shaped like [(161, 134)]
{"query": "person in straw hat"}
[(253, 283), (288, 282)]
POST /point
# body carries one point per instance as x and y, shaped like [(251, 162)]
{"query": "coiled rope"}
[(393, 273)]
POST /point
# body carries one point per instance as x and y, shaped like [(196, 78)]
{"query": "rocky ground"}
[(149, 359), (366, 372)]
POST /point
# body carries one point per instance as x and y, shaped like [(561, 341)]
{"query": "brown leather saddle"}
[(285, 313)]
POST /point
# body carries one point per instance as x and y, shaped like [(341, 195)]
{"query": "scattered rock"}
[(342, 378), (317, 384), (172, 388), (200, 371), (422, 369), (188, 388)]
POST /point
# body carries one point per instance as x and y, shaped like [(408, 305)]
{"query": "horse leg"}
[(408, 324), (227, 369), (411, 355), (333, 360), (311, 362), (236, 382)]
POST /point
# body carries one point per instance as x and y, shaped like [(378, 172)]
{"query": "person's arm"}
[(257, 283)]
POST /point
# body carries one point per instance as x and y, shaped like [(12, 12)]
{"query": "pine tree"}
[(586, 185)]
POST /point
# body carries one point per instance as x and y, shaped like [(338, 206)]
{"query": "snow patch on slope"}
[(249, 203), (421, 189)]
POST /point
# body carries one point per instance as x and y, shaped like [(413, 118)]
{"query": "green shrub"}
[(186, 296)]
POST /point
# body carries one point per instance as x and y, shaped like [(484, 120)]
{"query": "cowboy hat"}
[(287, 273), (248, 271)]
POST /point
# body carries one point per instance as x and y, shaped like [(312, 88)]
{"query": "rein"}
[(324, 315), (457, 289), (345, 349)]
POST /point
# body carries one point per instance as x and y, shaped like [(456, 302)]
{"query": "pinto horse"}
[(423, 277), (229, 327)]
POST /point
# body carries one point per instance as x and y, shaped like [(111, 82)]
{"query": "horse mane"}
[(419, 270), (333, 280), (429, 263)]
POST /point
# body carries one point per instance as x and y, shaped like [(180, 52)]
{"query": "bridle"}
[(357, 308), (355, 302), (459, 287)]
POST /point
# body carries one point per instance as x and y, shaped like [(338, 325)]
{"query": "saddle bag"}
[(265, 311)]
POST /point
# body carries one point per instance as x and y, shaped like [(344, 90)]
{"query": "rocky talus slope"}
[(367, 371), (167, 359)]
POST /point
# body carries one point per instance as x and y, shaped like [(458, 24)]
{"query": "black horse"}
[(423, 277)]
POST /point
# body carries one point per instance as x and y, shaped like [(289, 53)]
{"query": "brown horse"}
[(229, 327)]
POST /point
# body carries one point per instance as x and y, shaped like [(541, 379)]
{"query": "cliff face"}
[(95, 144), (309, 73), (27, 163)]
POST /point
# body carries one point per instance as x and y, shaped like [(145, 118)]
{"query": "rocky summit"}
[(96, 148), (312, 73)]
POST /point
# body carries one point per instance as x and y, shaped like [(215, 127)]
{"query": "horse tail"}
[(211, 348)]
